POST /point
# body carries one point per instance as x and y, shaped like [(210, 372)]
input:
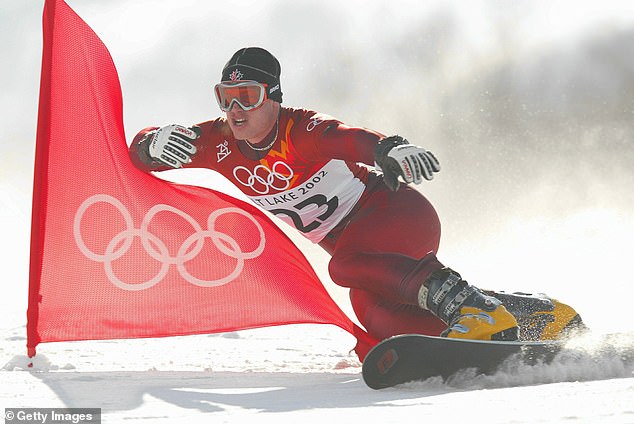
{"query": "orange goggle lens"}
[(248, 95)]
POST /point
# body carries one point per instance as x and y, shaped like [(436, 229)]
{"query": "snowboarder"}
[(339, 186)]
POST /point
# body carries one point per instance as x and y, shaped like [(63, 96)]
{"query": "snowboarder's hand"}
[(172, 145), (396, 157)]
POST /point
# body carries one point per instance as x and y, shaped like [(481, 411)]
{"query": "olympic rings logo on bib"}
[(157, 249), (262, 179)]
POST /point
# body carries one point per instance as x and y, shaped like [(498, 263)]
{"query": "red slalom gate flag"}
[(117, 253)]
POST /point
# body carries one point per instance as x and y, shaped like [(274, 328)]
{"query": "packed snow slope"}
[(302, 373)]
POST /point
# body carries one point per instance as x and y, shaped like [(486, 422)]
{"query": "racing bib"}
[(314, 207)]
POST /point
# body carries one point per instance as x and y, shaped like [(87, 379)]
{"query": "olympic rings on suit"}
[(157, 249), (269, 180)]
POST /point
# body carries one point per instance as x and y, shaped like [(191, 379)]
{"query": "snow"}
[(299, 374)]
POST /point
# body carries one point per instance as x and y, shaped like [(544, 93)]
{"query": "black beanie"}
[(255, 64)]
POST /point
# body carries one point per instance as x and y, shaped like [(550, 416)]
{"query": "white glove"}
[(415, 162), (172, 145), (397, 158)]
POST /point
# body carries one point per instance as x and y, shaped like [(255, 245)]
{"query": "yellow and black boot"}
[(539, 316), (468, 312)]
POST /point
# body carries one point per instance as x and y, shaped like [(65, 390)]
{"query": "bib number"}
[(318, 200)]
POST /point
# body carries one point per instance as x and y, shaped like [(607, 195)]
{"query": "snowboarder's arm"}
[(393, 155)]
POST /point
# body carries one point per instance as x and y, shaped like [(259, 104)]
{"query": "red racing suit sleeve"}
[(325, 138), (351, 144)]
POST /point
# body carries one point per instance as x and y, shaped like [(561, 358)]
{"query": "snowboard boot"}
[(539, 316), (468, 312)]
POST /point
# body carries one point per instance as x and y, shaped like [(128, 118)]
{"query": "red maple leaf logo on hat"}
[(236, 75)]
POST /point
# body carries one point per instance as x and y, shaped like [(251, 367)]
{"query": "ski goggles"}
[(248, 95)]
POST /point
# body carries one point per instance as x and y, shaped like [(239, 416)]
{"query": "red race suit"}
[(317, 177)]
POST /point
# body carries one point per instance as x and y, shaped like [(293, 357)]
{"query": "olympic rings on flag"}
[(269, 180), (156, 248)]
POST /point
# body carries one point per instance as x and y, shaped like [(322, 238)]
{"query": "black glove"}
[(396, 157)]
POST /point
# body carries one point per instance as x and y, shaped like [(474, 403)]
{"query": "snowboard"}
[(415, 357)]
